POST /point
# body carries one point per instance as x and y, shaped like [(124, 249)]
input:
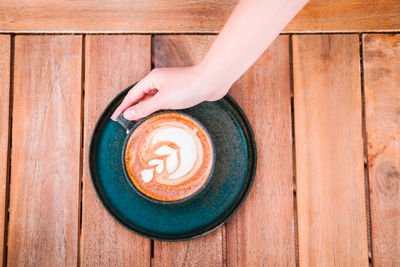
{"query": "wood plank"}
[(5, 42), (329, 151), (347, 16), (46, 141), (264, 227), (382, 96), (185, 16), (262, 232), (184, 50), (113, 62)]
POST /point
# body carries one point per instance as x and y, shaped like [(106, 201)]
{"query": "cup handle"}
[(127, 124)]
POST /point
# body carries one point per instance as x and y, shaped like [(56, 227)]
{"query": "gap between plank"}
[(152, 64), (295, 231), (110, 33), (151, 252), (81, 150), (151, 249), (191, 33), (340, 32), (9, 150), (365, 150)]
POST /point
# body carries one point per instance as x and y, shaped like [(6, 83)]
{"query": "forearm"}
[(251, 28)]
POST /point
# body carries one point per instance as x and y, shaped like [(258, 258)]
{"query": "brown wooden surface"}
[(347, 16), (44, 196), (382, 95), (47, 157), (5, 42), (179, 50), (112, 63), (262, 232), (185, 16), (332, 224)]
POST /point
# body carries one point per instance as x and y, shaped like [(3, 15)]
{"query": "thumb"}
[(144, 108), (134, 95)]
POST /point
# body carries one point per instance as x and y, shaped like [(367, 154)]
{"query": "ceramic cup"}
[(131, 126)]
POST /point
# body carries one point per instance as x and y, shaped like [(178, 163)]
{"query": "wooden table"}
[(325, 110)]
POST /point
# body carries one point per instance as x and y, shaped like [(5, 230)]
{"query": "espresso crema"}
[(169, 156)]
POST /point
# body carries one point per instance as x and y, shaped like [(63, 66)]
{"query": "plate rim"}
[(249, 185)]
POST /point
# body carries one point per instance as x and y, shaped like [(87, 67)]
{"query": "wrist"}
[(214, 75)]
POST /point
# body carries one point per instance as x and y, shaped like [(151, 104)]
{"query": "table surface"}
[(325, 111), (204, 16)]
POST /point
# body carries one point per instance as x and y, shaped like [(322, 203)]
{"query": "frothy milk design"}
[(169, 156), (177, 152)]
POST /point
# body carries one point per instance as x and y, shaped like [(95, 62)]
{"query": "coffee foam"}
[(168, 152), (177, 152)]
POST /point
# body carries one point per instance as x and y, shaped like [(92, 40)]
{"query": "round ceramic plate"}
[(232, 179)]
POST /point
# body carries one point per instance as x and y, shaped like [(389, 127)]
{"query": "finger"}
[(135, 94), (144, 108), (143, 99)]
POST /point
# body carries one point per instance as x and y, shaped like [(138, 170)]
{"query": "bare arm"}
[(251, 28)]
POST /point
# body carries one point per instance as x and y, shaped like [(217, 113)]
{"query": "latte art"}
[(176, 152), (169, 156)]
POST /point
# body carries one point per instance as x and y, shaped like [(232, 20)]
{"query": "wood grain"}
[(183, 50), (382, 96), (113, 62), (185, 16), (5, 41), (329, 151), (347, 16), (262, 232), (46, 134)]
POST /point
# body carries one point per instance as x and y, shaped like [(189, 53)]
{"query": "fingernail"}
[(129, 114)]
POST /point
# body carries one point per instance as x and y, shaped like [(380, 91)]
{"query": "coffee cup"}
[(167, 157)]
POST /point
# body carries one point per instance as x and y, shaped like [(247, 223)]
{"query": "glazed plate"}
[(232, 179)]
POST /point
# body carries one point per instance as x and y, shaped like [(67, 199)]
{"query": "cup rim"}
[(156, 201)]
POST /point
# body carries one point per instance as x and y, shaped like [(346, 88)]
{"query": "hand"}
[(170, 88)]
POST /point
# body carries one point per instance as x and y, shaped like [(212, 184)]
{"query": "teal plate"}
[(232, 179)]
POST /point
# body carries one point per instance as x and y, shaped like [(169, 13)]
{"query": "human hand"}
[(170, 88)]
